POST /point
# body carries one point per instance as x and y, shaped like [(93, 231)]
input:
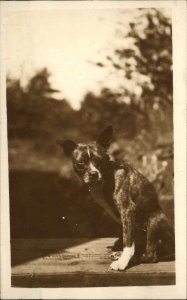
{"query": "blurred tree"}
[(98, 111), (39, 84), (33, 112), (15, 108), (142, 58)]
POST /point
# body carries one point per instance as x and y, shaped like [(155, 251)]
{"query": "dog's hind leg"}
[(140, 244), (156, 229)]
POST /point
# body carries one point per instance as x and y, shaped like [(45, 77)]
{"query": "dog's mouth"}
[(94, 183)]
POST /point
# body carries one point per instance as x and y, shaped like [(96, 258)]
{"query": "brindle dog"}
[(126, 195)]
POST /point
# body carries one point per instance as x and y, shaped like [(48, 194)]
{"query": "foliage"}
[(99, 111), (142, 59), (33, 113)]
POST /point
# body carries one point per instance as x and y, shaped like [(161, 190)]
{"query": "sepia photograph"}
[(90, 145)]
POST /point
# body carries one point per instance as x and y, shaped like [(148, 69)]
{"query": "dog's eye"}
[(80, 165), (97, 160)]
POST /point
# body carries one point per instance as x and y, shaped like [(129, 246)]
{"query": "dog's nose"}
[(94, 174)]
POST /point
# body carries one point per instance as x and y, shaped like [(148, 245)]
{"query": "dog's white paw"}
[(116, 255), (119, 264), (123, 261)]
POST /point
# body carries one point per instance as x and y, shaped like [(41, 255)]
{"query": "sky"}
[(64, 41)]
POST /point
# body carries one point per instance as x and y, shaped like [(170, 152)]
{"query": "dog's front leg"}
[(128, 223)]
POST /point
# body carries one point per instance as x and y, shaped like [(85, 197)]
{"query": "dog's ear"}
[(67, 145), (105, 137)]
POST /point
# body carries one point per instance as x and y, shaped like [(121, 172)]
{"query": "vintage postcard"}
[(93, 149)]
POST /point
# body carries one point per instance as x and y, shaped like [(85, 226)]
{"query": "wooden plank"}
[(79, 262)]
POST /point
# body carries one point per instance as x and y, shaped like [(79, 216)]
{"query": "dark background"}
[(46, 198)]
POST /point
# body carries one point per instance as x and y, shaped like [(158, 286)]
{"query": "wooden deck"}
[(79, 263)]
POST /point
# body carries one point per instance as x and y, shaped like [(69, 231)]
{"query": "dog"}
[(126, 195)]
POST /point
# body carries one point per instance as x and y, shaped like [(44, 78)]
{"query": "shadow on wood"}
[(79, 263)]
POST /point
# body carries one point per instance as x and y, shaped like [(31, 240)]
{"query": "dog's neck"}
[(109, 182), (103, 194)]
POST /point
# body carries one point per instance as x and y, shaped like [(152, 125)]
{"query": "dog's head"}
[(89, 160)]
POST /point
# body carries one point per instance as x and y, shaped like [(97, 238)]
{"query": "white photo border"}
[(178, 291)]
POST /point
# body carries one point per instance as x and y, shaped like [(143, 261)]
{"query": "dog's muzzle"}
[(93, 178)]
